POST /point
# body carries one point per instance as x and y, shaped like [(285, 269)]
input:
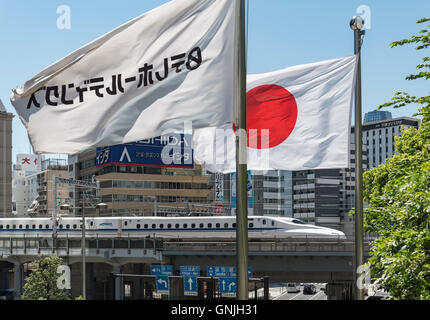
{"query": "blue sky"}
[(282, 33)]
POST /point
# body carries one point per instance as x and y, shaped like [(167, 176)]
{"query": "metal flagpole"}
[(356, 24), (241, 154)]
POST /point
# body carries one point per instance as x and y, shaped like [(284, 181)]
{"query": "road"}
[(319, 295)]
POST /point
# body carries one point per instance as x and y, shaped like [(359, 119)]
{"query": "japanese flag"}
[(168, 66), (297, 119)]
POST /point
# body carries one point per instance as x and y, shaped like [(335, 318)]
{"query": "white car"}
[(292, 288)]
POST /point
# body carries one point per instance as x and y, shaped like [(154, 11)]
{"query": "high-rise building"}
[(5, 161), (380, 138), (376, 116)]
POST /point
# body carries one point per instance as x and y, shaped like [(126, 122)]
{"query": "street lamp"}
[(67, 206)]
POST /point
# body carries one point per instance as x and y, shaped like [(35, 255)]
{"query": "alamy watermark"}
[(64, 20)]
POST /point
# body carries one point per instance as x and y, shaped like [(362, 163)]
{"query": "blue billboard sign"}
[(225, 272), (191, 271), (172, 150)]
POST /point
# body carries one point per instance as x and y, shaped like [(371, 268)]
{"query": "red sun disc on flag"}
[(270, 107)]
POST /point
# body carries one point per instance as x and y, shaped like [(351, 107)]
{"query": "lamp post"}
[(83, 243), (357, 25)]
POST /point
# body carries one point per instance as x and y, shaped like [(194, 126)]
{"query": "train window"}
[(225, 225), (154, 226), (138, 226), (145, 226), (14, 226), (75, 226), (125, 223), (251, 225), (273, 223), (47, 226), (169, 226), (177, 225), (61, 226), (185, 225), (40, 226), (1, 226), (234, 225), (7, 226), (201, 225), (26, 226), (209, 225), (218, 225), (193, 225), (298, 222), (161, 226), (264, 221), (91, 223), (67, 226), (33, 226)]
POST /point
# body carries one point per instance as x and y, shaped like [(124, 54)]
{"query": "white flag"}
[(167, 66), (298, 118)]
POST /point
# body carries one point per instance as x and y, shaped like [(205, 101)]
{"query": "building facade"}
[(380, 138), (130, 189), (5, 161)]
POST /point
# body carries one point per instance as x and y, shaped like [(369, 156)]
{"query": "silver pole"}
[(241, 154), (84, 287), (356, 24)]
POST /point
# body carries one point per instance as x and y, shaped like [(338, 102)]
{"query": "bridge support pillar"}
[(340, 291), (18, 279), (116, 269)]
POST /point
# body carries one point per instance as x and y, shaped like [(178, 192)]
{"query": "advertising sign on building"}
[(29, 162), (233, 192), (166, 151), (219, 188)]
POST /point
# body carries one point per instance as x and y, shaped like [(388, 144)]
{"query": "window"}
[(33, 226), (264, 221), (201, 225), (185, 225), (161, 226), (125, 223), (298, 222), (145, 226), (209, 225), (177, 225), (67, 226), (234, 225), (193, 225), (1, 226), (20, 226), (47, 226), (138, 226), (251, 225), (153, 226), (225, 225), (218, 225), (26, 226), (40, 226), (61, 226), (169, 226), (14, 226), (75, 226)]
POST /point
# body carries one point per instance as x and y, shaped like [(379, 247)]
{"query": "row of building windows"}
[(151, 185)]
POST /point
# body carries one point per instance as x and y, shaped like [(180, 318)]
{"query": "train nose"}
[(338, 234)]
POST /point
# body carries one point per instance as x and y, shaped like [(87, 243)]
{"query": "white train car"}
[(216, 227)]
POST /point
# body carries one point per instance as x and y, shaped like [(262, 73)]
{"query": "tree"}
[(41, 284), (398, 193)]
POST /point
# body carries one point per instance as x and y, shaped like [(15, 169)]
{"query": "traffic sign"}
[(226, 272), (161, 270), (190, 271), (190, 286), (227, 286), (162, 283)]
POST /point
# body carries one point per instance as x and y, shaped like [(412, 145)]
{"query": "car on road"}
[(7, 294), (309, 289), (292, 288)]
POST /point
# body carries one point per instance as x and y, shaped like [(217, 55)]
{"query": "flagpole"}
[(356, 25), (241, 153)]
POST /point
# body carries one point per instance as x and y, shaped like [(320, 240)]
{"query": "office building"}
[(376, 116), (5, 161)]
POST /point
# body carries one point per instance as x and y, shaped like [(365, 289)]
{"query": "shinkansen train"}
[(216, 227)]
